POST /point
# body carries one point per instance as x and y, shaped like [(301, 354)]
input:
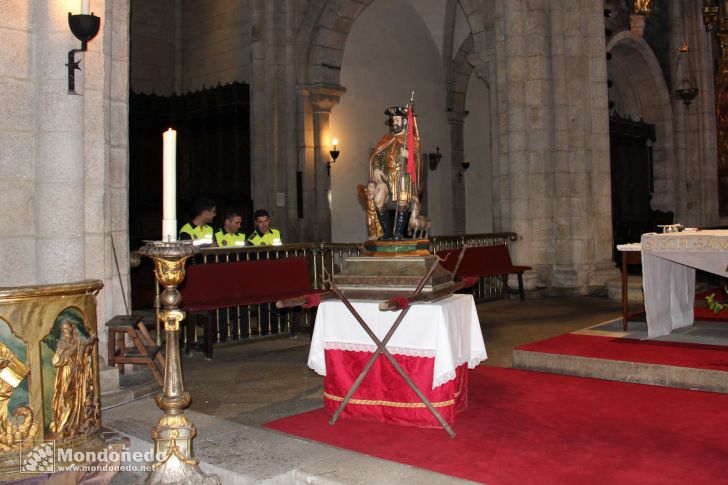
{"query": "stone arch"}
[(481, 16), (322, 38), (641, 92), (461, 70)]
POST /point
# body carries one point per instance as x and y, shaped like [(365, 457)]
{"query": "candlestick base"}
[(175, 462)]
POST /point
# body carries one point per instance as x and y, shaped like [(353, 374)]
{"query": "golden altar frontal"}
[(49, 374)]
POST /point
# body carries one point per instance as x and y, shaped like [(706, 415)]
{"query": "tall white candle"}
[(85, 7), (169, 185)]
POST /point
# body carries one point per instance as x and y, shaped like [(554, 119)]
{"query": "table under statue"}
[(435, 344)]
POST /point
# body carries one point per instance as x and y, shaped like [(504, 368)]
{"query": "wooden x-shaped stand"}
[(382, 350)]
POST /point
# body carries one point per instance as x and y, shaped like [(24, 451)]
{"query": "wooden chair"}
[(143, 349)]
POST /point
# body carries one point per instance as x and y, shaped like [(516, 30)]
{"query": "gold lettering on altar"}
[(695, 244)]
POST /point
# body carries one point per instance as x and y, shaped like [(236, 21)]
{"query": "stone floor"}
[(246, 385)]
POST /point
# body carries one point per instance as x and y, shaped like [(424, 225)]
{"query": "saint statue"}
[(395, 170), (74, 382)]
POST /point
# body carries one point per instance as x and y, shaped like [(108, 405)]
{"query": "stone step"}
[(618, 370), (634, 291), (132, 385)]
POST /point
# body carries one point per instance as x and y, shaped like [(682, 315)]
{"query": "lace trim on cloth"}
[(317, 368), (440, 380), (371, 348), (449, 376)]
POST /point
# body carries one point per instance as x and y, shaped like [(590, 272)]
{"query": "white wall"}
[(383, 62), (478, 189)]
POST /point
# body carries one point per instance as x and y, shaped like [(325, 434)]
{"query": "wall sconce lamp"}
[(465, 165), (435, 159), (84, 26), (334, 152)]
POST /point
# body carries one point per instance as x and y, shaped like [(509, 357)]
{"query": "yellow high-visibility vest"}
[(270, 238)]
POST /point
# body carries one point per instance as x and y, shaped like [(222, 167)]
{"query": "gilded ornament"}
[(20, 431), (75, 408)]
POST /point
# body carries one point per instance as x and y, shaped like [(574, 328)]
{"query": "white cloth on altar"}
[(668, 274), (447, 330)]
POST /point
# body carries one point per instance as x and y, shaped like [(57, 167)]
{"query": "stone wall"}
[(215, 43), (154, 28), (64, 156)]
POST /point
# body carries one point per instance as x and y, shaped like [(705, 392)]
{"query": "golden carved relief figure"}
[(18, 432), (73, 387)]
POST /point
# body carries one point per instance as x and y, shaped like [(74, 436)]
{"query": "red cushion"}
[(220, 285)]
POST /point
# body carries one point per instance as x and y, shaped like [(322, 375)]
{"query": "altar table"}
[(435, 344), (668, 274)]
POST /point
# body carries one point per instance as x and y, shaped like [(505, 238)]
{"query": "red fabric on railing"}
[(312, 300), (470, 281), (220, 285)]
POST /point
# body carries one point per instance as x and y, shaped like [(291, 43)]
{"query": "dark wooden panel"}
[(632, 182), (213, 154)]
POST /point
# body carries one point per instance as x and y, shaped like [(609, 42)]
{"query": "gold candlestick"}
[(174, 460)]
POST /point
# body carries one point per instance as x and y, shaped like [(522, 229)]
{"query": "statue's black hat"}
[(396, 111)]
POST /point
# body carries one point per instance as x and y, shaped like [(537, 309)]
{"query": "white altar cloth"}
[(447, 330), (668, 274)]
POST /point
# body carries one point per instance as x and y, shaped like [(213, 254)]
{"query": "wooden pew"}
[(214, 286), (483, 261)]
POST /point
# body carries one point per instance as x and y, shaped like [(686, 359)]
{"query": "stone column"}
[(521, 103), (323, 98), (695, 125), (456, 120), (600, 266), (59, 150), (581, 120), (17, 240)]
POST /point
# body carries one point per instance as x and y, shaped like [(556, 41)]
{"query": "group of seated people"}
[(202, 233)]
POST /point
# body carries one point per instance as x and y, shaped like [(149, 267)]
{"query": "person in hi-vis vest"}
[(229, 235), (264, 235), (199, 228)]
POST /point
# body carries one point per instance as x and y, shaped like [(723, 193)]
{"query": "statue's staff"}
[(411, 169)]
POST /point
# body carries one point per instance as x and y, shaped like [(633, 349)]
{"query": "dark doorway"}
[(632, 182)]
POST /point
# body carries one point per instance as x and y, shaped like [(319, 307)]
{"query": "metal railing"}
[(255, 321)]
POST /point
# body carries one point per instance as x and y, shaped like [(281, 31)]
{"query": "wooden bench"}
[(484, 261), (214, 286)]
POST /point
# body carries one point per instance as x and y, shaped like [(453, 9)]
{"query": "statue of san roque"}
[(395, 169)]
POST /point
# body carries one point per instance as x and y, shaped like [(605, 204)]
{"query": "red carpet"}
[(714, 357), (527, 427)]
